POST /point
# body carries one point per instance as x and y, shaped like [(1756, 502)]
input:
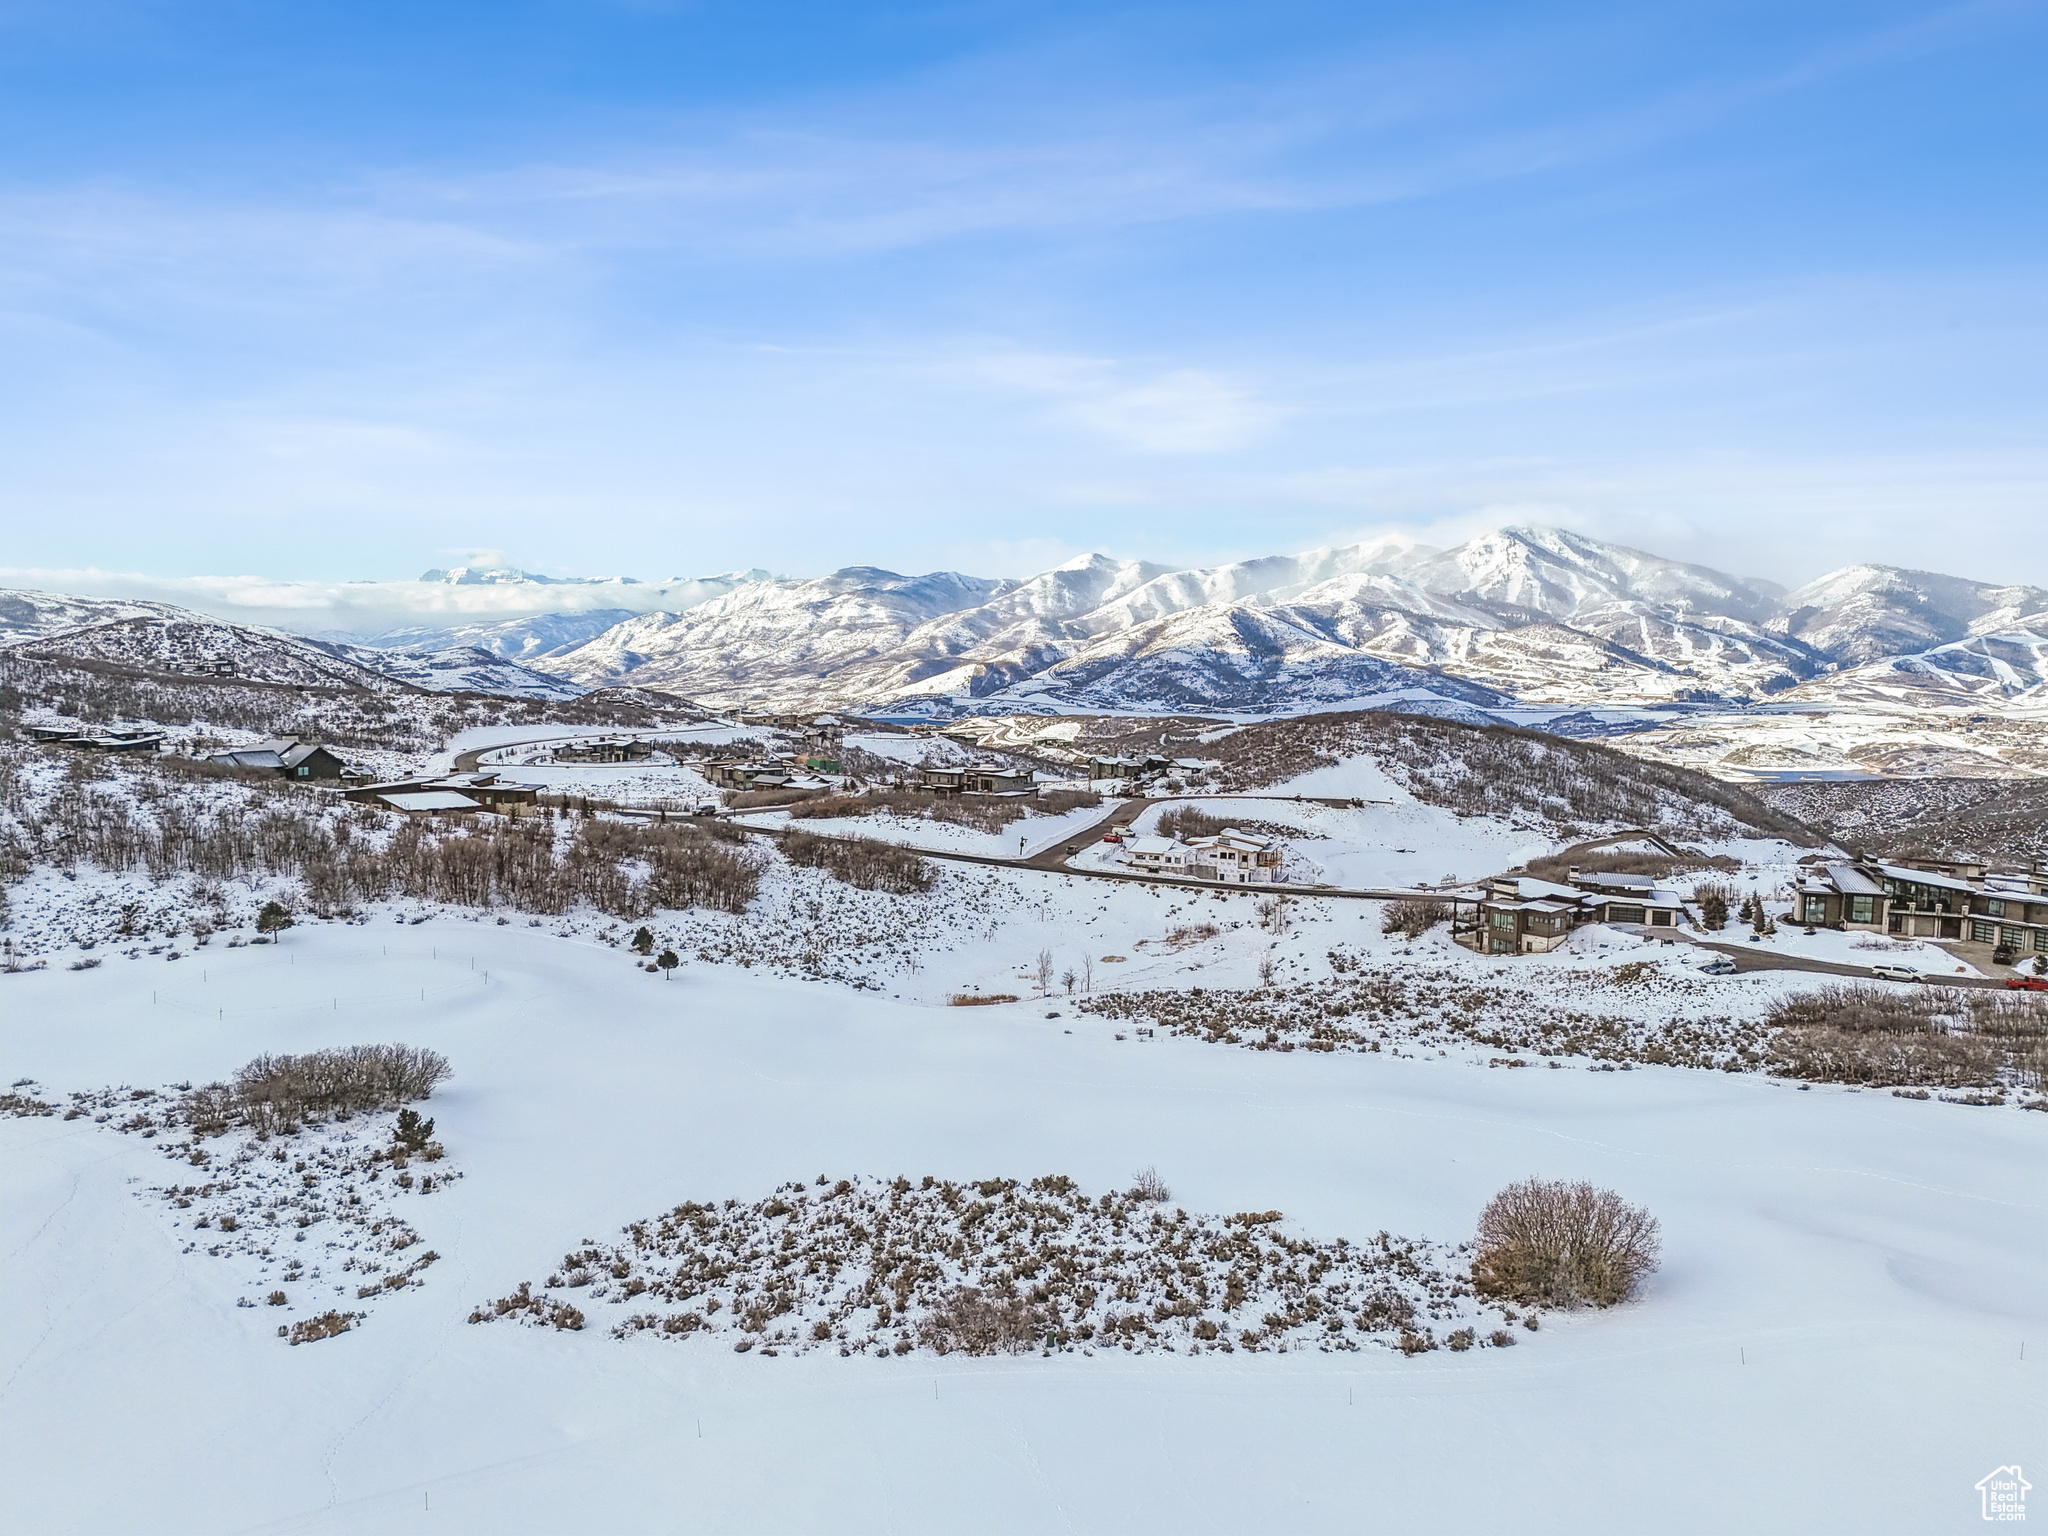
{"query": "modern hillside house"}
[(288, 756), (431, 792), (1521, 915), (1928, 899), (1234, 858)]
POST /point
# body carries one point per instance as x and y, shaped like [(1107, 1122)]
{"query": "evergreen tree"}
[(273, 919)]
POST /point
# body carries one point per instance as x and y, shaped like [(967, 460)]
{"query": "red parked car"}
[(1112, 837), (2027, 983)]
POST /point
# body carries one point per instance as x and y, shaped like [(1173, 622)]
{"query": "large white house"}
[(1235, 858)]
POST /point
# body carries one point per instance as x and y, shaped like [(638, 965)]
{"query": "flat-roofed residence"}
[(997, 781), (1521, 915), (605, 749), (428, 793), (942, 779), (1234, 858), (1929, 899), (728, 774)]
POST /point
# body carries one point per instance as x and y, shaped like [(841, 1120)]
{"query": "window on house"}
[(1816, 909), (1995, 907), (1504, 920), (1861, 909), (304, 772)]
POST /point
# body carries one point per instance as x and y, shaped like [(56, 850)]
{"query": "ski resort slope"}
[(1833, 1343)]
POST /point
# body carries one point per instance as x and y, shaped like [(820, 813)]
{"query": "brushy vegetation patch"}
[(1550, 1243), (1413, 917), (1658, 866), (325, 1326), (120, 816), (273, 1094), (1939, 1037), (309, 1196), (1933, 1037), (1369, 1007), (862, 862), (873, 1267)]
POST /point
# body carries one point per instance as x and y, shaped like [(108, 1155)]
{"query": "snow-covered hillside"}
[(1846, 1276)]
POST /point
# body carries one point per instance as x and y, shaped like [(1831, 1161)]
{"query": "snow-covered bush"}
[(1558, 1244)]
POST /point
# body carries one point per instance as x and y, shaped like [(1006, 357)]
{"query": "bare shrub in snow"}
[(1414, 917), (1149, 1187), (1559, 1244), (274, 1091), (861, 862)]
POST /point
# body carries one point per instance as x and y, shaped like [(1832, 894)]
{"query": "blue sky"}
[(343, 290)]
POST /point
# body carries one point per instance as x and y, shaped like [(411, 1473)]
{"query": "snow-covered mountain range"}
[(1522, 618), (1524, 615)]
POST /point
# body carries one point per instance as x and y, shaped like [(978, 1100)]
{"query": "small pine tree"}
[(643, 940), (667, 961), (413, 1132), (273, 919)]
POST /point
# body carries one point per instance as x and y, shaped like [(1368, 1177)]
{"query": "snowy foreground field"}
[(1834, 1341)]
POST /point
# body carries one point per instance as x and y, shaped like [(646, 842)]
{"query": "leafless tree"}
[(1042, 971)]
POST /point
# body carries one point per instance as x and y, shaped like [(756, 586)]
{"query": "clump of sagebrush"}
[(1413, 917), (861, 862), (1558, 1244), (867, 1266), (325, 1326), (1945, 1037), (271, 1093)]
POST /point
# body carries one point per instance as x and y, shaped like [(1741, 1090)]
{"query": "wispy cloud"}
[(1159, 411)]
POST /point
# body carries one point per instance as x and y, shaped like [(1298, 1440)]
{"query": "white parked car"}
[(1720, 965), (1896, 973)]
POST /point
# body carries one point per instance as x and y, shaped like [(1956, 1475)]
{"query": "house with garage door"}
[(1521, 915)]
